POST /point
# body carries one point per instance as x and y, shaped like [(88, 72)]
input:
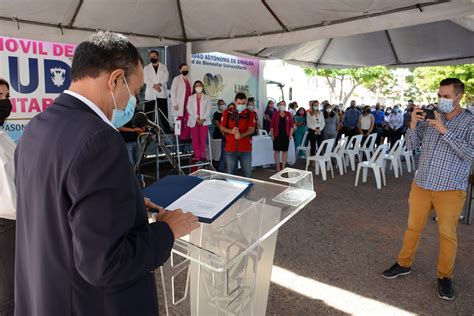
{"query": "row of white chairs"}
[(347, 150)]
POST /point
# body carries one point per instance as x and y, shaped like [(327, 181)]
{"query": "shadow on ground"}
[(348, 235)]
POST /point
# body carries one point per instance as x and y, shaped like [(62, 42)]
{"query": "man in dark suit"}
[(84, 245)]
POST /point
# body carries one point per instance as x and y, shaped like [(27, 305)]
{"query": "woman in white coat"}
[(199, 110), (180, 92)]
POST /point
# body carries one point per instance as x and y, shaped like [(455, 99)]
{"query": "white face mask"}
[(445, 105), (282, 108), (198, 89), (250, 107), (222, 107), (328, 110)]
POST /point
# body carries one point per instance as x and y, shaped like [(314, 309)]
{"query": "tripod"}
[(150, 136)]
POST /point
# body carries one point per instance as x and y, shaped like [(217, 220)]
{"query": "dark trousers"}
[(394, 135), (313, 139), (379, 130), (7, 266), (162, 105), (350, 131)]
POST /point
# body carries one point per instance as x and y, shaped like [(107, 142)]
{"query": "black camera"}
[(429, 112)]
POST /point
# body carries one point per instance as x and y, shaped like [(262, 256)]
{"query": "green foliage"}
[(379, 80), (421, 84), (427, 79)]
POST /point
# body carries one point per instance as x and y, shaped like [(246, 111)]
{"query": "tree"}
[(427, 79), (379, 80)]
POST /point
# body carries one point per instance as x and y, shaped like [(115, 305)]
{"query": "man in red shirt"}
[(238, 124)]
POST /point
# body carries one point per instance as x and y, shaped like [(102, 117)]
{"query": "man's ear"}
[(114, 78)]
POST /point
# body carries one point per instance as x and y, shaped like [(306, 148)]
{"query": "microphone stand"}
[(150, 136)]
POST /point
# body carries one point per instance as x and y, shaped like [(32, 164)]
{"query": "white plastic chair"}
[(394, 156), (368, 146), (353, 150), (338, 154), (302, 146), (323, 161), (262, 132), (376, 164), (409, 158)]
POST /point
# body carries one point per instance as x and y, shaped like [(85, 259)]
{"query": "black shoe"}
[(395, 271), (445, 289)]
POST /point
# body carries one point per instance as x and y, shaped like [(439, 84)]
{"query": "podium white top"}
[(245, 225)]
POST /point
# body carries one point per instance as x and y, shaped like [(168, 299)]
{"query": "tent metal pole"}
[(269, 9), (324, 52), (181, 19), (392, 47), (79, 5)]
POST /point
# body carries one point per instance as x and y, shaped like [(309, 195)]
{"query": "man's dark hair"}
[(458, 85), (410, 101), (220, 100), (240, 96), (181, 66), (3, 82), (154, 51), (104, 52), (251, 99)]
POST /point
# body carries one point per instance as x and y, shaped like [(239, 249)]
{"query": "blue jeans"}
[(133, 153), (245, 159), (222, 160)]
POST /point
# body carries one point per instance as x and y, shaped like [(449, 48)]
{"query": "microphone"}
[(140, 120)]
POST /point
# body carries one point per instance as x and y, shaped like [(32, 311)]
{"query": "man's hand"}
[(180, 223), (236, 132), (157, 87), (150, 205), (416, 116), (438, 124)]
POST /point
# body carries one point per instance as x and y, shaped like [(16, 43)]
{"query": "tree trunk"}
[(348, 95), (332, 86)]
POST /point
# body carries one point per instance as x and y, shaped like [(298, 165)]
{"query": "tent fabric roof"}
[(324, 33)]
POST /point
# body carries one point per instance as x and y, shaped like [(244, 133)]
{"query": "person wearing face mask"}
[(218, 134), (350, 120), (238, 124), (447, 152), (199, 109), (395, 123), (407, 116), (315, 123), (7, 207), (366, 123), (269, 110), (331, 122), (180, 92), (251, 107), (156, 78), (379, 117), (301, 128), (84, 244), (281, 132)]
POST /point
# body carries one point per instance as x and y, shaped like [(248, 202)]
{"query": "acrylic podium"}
[(224, 268)]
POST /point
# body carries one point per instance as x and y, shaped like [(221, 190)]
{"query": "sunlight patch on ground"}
[(343, 300)]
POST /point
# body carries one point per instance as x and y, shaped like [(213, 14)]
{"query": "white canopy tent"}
[(325, 33)]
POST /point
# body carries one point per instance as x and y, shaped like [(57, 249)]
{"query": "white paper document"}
[(209, 197)]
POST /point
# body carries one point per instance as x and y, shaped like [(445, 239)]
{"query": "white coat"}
[(7, 183), (151, 77), (178, 93), (205, 112)]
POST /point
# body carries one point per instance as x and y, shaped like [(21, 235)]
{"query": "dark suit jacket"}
[(84, 245)]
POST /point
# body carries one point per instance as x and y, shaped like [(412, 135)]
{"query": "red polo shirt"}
[(246, 119)]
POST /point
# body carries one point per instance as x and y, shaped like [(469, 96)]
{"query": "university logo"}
[(58, 75), (213, 85)]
